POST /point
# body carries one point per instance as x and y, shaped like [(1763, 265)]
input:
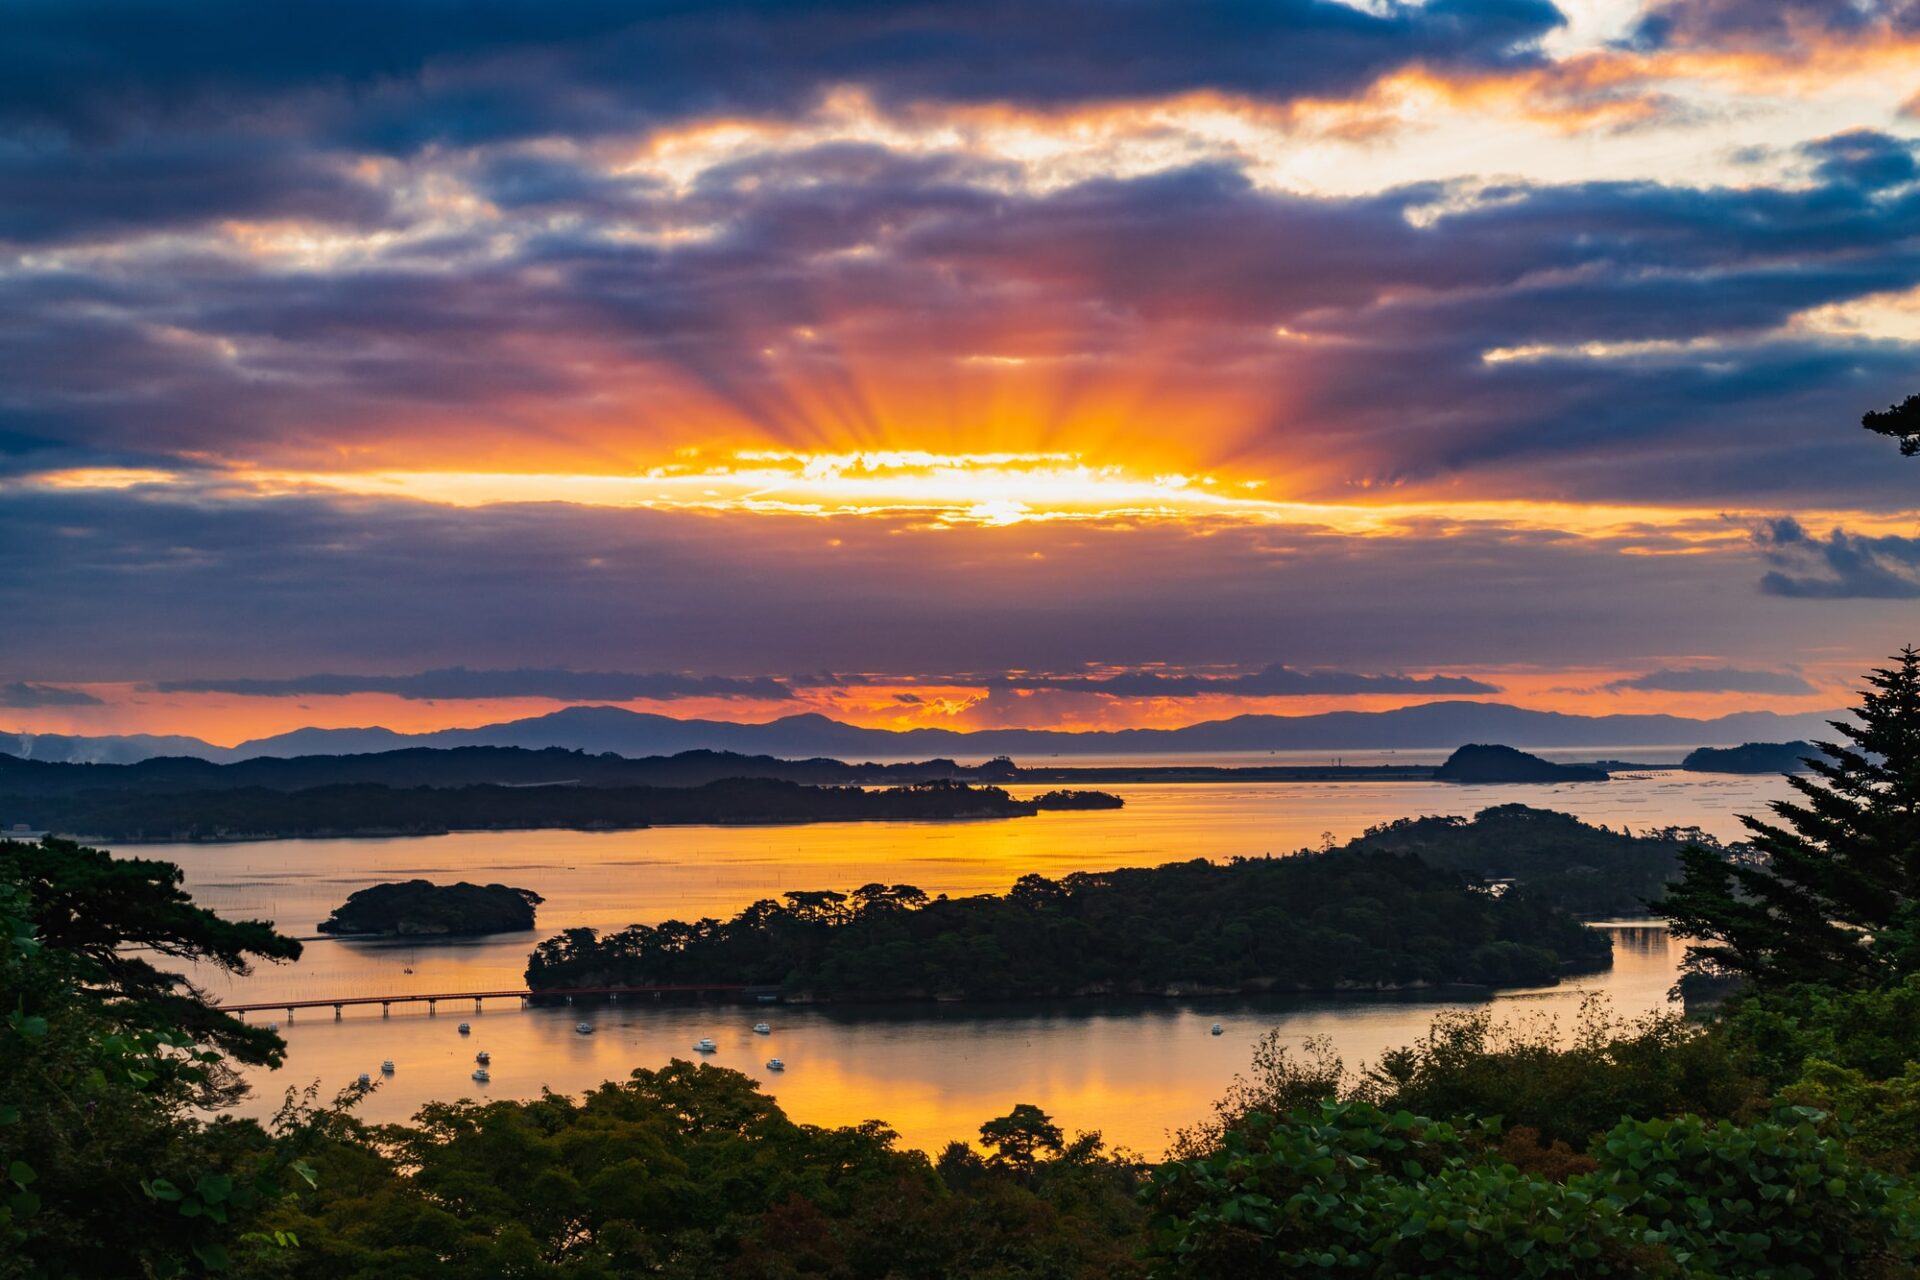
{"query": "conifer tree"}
[(1830, 892)]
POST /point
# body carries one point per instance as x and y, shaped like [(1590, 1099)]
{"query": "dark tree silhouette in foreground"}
[(1834, 895), (1901, 421)]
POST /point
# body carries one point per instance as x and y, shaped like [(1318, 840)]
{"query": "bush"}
[(1347, 1188)]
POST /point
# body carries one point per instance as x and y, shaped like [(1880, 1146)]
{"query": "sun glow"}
[(985, 490)]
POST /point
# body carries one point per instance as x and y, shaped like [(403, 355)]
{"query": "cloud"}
[(218, 578), (413, 73), (24, 695), (1865, 158), (1778, 25), (1273, 681), (1842, 566), (834, 294), (461, 683), (1712, 680)]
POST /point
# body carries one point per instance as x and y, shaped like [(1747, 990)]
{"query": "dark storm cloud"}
[(524, 682), (403, 74), (1273, 681), (1841, 566), (24, 694), (1711, 680)]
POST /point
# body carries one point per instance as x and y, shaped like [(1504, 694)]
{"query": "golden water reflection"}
[(1132, 1070)]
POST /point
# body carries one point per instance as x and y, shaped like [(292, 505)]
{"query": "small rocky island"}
[(420, 908), (1478, 762)]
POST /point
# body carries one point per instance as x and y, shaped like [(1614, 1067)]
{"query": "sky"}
[(1079, 363)]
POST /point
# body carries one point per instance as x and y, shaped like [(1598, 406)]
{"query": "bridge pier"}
[(476, 1004), (336, 1013), (433, 1007), (289, 1015), (386, 1008)]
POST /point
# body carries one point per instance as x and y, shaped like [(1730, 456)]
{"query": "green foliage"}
[(1307, 922), (688, 1171), (106, 1173), (1019, 1137), (1774, 1200), (1562, 1085), (1590, 871), (99, 917), (1873, 1030), (1900, 421), (1347, 1188), (1831, 893)]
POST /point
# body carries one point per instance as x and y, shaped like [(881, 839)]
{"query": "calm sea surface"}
[(1132, 1070)]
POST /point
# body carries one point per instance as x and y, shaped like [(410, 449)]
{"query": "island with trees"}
[(1488, 763), (370, 809), (1347, 921), (1779, 1136), (420, 908), (1591, 871), (1752, 757)]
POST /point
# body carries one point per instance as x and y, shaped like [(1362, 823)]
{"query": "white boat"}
[(584, 1028), (273, 1026), (386, 1068), (704, 1045), (1217, 1030), (483, 1057), (762, 1029), (365, 1078), (480, 1074), (464, 1028), (774, 1064)]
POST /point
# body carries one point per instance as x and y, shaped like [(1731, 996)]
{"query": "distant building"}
[(20, 831)]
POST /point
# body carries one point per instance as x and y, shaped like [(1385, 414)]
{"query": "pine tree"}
[(1831, 892)]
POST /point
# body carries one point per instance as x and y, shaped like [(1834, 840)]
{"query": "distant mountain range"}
[(1433, 725)]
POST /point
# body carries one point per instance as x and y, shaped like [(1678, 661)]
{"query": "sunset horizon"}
[(959, 639), (1497, 350)]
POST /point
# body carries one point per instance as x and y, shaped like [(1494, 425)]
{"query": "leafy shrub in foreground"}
[(1348, 1189)]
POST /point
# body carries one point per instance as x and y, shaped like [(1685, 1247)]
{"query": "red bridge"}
[(521, 994)]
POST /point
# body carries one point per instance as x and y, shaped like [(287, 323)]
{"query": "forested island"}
[(1587, 870), (1752, 757), (258, 813), (474, 766), (1777, 1136), (417, 908), (1350, 920)]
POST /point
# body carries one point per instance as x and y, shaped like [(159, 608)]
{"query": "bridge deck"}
[(523, 993)]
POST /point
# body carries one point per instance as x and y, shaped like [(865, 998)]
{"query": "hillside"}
[(598, 729), (469, 766), (1588, 870), (256, 813)]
